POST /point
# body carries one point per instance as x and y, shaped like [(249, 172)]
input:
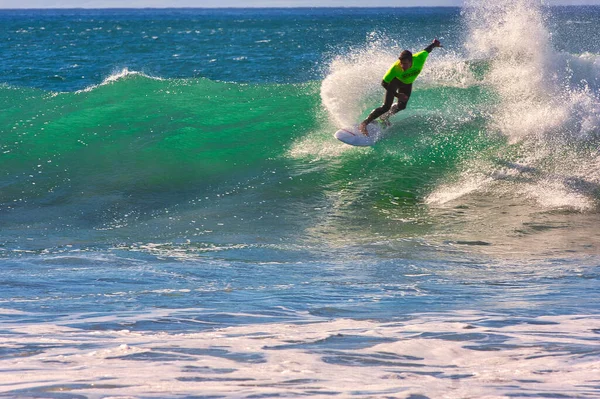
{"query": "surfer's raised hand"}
[(435, 43)]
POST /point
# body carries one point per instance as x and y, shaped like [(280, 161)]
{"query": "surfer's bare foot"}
[(363, 129)]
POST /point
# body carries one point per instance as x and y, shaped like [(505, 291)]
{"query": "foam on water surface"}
[(451, 355)]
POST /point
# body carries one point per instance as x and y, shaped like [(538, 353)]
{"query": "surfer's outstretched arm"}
[(434, 44)]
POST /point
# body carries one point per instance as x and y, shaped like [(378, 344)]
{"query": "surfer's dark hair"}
[(405, 55)]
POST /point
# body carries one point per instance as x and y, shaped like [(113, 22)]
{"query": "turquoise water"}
[(177, 220)]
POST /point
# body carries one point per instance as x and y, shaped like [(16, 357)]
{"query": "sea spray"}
[(511, 34), (548, 118), (354, 78)]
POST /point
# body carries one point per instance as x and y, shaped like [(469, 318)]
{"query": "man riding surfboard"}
[(398, 82)]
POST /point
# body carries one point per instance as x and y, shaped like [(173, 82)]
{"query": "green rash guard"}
[(411, 73)]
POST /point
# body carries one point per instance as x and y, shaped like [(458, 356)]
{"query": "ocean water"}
[(177, 220)]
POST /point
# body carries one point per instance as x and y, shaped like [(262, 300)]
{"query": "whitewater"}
[(178, 221)]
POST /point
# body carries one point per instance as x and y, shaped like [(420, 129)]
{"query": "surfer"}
[(398, 83)]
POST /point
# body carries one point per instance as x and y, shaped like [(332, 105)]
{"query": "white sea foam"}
[(353, 79), (470, 182), (548, 108), (449, 355)]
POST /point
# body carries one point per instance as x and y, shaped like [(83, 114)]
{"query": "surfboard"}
[(351, 135)]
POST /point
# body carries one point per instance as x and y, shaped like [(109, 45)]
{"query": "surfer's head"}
[(406, 59)]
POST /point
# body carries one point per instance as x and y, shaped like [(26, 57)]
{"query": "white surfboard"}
[(353, 136)]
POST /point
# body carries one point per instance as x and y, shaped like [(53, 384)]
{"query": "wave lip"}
[(115, 77)]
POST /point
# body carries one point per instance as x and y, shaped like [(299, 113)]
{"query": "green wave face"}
[(145, 158), (138, 145)]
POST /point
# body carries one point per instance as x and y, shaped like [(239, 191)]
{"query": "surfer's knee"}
[(399, 106), (385, 108)]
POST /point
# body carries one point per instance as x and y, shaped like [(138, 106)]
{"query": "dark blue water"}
[(66, 50)]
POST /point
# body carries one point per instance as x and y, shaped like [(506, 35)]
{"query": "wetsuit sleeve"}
[(429, 48)]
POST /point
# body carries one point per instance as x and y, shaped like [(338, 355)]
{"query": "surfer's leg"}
[(395, 108), (402, 103), (390, 94)]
